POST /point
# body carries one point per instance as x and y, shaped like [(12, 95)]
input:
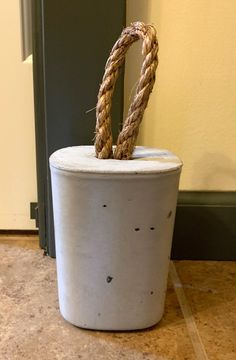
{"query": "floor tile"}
[(210, 288), (23, 241)]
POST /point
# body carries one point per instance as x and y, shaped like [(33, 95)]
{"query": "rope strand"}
[(128, 135)]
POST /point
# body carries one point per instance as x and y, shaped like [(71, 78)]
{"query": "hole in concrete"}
[(109, 279), (104, 205), (169, 215), (137, 229), (152, 228)]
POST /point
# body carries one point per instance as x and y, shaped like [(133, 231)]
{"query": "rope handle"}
[(128, 135)]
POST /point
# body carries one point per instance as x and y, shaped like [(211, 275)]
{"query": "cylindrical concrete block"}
[(113, 229)]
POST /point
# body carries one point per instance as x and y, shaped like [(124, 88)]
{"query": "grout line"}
[(188, 315)]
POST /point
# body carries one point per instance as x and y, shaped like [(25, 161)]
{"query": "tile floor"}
[(199, 320)]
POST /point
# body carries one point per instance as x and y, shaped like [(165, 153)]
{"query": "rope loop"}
[(128, 135)]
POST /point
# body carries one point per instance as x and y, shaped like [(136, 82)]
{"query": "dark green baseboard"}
[(19, 232), (205, 226)]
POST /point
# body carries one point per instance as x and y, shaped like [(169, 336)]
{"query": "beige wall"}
[(17, 146), (192, 110)]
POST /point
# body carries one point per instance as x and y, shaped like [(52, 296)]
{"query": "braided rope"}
[(128, 135)]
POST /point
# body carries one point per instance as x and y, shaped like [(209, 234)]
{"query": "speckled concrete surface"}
[(32, 327)]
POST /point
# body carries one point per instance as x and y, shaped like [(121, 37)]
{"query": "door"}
[(71, 42)]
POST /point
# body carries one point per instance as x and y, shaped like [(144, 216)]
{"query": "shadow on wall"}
[(137, 10)]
